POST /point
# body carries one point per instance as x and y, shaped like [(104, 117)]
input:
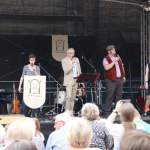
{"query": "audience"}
[(121, 131), (140, 124), (2, 136), (80, 135), (23, 129), (127, 113), (101, 137), (21, 145), (57, 140), (135, 140), (116, 129), (132, 118)]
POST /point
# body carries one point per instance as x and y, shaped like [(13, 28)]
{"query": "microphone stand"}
[(85, 59), (53, 79), (91, 89), (47, 73)]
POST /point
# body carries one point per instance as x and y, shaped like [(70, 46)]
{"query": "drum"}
[(81, 90), (61, 97)]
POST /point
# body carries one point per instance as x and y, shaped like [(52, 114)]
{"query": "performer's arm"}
[(20, 84), (124, 77), (146, 76), (67, 66), (106, 65), (115, 112), (122, 66), (21, 79), (123, 69)]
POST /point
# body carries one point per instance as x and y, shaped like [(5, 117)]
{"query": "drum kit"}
[(79, 100)]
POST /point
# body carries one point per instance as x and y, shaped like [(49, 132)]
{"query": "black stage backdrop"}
[(15, 49)]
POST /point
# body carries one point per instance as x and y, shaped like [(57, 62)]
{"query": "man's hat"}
[(110, 47)]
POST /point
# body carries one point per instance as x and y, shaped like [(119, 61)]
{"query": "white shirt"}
[(75, 71), (58, 139), (117, 131)]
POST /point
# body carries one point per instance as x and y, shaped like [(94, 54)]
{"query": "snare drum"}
[(81, 91), (61, 97)]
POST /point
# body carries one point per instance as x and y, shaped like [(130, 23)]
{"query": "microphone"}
[(116, 55)]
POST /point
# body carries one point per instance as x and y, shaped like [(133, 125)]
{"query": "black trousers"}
[(113, 93)]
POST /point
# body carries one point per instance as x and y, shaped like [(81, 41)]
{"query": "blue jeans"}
[(25, 110)]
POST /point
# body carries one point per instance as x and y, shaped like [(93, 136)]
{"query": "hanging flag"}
[(59, 46)]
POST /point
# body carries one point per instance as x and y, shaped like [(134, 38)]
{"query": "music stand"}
[(89, 77)]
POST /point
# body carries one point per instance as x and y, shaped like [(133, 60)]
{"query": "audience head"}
[(61, 120), (135, 140), (21, 145), (127, 113), (79, 133), (22, 128), (90, 111)]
